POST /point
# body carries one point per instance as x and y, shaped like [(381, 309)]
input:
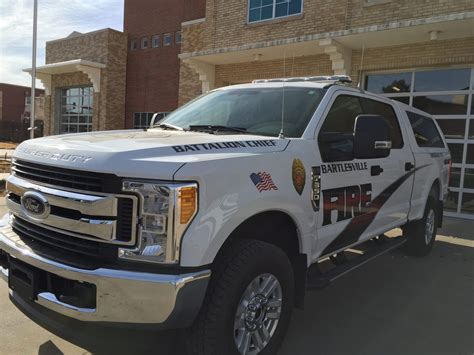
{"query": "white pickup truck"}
[(218, 218)]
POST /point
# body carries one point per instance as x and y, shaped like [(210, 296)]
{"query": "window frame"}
[(167, 35), (273, 18), (144, 40), (153, 37), (141, 116), (59, 123), (468, 117), (134, 44), (359, 97), (176, 34)]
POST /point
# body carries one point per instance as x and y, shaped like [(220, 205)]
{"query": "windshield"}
[(252, 110)]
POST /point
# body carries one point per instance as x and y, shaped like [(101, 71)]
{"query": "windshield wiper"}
[(217, 128), (167, 126)]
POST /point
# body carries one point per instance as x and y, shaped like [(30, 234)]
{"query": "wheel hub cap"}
[(258, 314), (429, 226)]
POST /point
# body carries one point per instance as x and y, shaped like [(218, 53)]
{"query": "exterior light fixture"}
[(434, 35)]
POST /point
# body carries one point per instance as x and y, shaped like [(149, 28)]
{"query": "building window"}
[(133, 44), (448, 95), (144, 42), (155, 41), (142, 119), (167, 39), (261, 10), (178, 37), (76, 110)]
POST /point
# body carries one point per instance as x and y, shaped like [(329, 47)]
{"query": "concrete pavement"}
[(393, 305)]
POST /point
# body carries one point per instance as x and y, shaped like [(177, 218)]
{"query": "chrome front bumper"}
[(172, 301)]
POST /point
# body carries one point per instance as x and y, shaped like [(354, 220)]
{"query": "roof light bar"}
[(344, 79)]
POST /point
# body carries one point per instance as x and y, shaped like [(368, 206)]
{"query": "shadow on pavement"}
[(49, 348), (393, 305)]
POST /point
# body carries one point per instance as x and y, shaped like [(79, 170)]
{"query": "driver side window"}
[(336, 137)]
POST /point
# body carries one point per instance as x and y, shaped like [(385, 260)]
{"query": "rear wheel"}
[(421, 234), (248, 304)]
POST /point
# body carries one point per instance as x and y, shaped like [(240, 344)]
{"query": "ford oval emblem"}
[(35, 205)]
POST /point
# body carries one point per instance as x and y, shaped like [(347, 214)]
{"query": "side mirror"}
[(371, 137), (157, 117)]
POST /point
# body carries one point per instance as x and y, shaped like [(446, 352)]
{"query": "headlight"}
[(166, 211)]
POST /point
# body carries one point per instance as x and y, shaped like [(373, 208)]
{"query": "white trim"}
[(69, 62), (92, 69), (193, 22)]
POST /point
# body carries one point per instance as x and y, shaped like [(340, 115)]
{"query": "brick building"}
[(13, 99), (154, 32), (84, 81), (14, 111), (415, 51)]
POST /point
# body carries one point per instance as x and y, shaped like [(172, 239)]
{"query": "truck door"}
[(359, 199)]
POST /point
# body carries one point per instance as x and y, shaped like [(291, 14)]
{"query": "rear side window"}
[(425, 131), (379, 108)]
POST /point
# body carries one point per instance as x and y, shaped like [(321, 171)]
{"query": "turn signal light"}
[(187, 197)]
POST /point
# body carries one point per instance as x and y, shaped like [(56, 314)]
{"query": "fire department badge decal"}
[(298, 175)]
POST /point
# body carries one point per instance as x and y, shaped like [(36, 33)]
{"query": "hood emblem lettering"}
[(73, 158)]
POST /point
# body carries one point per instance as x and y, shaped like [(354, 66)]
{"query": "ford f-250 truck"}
[(218, 218)]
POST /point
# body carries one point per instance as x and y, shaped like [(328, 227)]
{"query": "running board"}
[(317, 280)]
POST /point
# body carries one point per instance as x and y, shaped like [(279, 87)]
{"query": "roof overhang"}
[(395, 33), (92, 69)]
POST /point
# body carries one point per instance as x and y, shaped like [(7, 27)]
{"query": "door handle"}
[(409, 166), (375, 170)]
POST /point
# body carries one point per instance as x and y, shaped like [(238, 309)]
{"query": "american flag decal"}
[(263, 181)]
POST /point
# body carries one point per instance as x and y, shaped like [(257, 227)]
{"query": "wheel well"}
[(279, 229), (436, 189), (272, 227)]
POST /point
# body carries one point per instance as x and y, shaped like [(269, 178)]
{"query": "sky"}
[(56, 19)]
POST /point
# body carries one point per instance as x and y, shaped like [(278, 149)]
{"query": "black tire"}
[(418, 242), (233, 271)]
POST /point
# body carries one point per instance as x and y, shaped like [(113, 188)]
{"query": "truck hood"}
[(156, 153)]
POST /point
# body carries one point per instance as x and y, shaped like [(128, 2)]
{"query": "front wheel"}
[(421, 234), (248, 304)]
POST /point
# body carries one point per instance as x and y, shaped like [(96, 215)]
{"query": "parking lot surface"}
[(393, 305)]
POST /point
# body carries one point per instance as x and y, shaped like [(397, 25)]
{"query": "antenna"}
[(282, 135), (360, 67)]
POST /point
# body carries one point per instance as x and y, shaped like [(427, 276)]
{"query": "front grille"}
[(96, 233), (68, 178), (62, 247), (124, 219), (124, 216)]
